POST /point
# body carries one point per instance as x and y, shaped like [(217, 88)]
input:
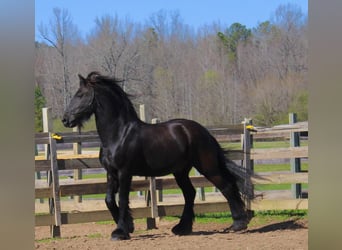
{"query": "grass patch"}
[(278, 167), (223, 217), (94, 176), (106, 222), (94, 196), (95, 236), (49, 240), (271, 144), (260, 218), (261, 144)]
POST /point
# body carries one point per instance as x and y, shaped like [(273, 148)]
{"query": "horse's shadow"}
[(286, 225)]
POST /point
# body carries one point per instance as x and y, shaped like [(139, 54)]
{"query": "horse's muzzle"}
[(66, 122)]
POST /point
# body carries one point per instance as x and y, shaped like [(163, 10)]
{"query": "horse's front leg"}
[(125, 222), (112, 189)]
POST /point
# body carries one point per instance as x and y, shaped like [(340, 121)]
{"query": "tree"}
[(291, 50), (235, 34), (39, 103), (214, 74), (62, 35)]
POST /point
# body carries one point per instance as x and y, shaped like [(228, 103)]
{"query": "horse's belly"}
[(155, 170)]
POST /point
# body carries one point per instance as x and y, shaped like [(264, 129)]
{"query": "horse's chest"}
[(113, 157)]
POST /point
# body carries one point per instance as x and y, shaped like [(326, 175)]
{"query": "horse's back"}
[(165, 146), (181, 136)]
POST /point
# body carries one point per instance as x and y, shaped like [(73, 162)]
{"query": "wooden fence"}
[(54, 188)]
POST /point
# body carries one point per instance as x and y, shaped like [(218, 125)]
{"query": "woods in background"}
[(214, 75)]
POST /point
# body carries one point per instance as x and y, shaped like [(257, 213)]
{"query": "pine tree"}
[(39, 103)]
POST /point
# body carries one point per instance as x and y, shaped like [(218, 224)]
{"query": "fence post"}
[(142, 115), (47, 127), (38, 173), (295, 162), (50, 152), (77, 148), (152, 198), (54, 202), (150, 195), (248, 164), (152, 201), (159, 192)]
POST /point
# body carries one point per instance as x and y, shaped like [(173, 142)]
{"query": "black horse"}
[(131, 147)]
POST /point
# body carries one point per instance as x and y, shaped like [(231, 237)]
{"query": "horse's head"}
[(81, 106)]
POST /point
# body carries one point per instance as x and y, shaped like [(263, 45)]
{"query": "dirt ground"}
[(290, 234)]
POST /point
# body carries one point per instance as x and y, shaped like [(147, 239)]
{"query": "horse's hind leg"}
[(226, 183), (237, 206), (184, 226)]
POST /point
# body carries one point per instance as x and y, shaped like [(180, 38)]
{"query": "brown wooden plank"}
[(199, 208), (258, 205), (279, 153), (77, 157), (288, 128), (98, 185), (76, 163), (42, 138), (44, 220), (94, 186), (92, 136), (226, 129), (170, 210), (280, 178), (82, 188), (88, 216), (79, 163), (234, 154), (43, 192), (170, 182)]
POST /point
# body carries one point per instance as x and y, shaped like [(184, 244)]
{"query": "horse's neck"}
[(110, 126)]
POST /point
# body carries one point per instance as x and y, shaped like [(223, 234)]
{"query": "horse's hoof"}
[(118, 234), (117, 237), (131, 227), (237, 226), (182, 229)]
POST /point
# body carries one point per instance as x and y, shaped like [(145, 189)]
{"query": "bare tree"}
[(62, 34), (214, 74)]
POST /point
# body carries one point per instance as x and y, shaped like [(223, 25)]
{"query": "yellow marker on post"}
[(56, 136)]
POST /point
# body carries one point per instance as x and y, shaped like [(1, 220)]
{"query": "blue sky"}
[(193, 12)]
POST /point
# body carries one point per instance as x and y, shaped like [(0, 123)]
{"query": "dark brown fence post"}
[(151, 222), (295, 162), (78, 174), (248, 164), (54, 202), (159, 192)]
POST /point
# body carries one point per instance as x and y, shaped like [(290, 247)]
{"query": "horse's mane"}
[(95, 78), (111, 85)]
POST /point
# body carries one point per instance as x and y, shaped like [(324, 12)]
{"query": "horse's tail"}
[(238, 174)]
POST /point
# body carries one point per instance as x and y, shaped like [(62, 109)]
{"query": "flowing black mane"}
[(110, 86)]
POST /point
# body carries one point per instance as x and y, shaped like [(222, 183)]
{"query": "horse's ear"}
[(83, 81)]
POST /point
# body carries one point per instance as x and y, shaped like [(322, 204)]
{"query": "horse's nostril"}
[(65, 122)]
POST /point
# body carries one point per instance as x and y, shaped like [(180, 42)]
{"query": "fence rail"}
[(55, 188)]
